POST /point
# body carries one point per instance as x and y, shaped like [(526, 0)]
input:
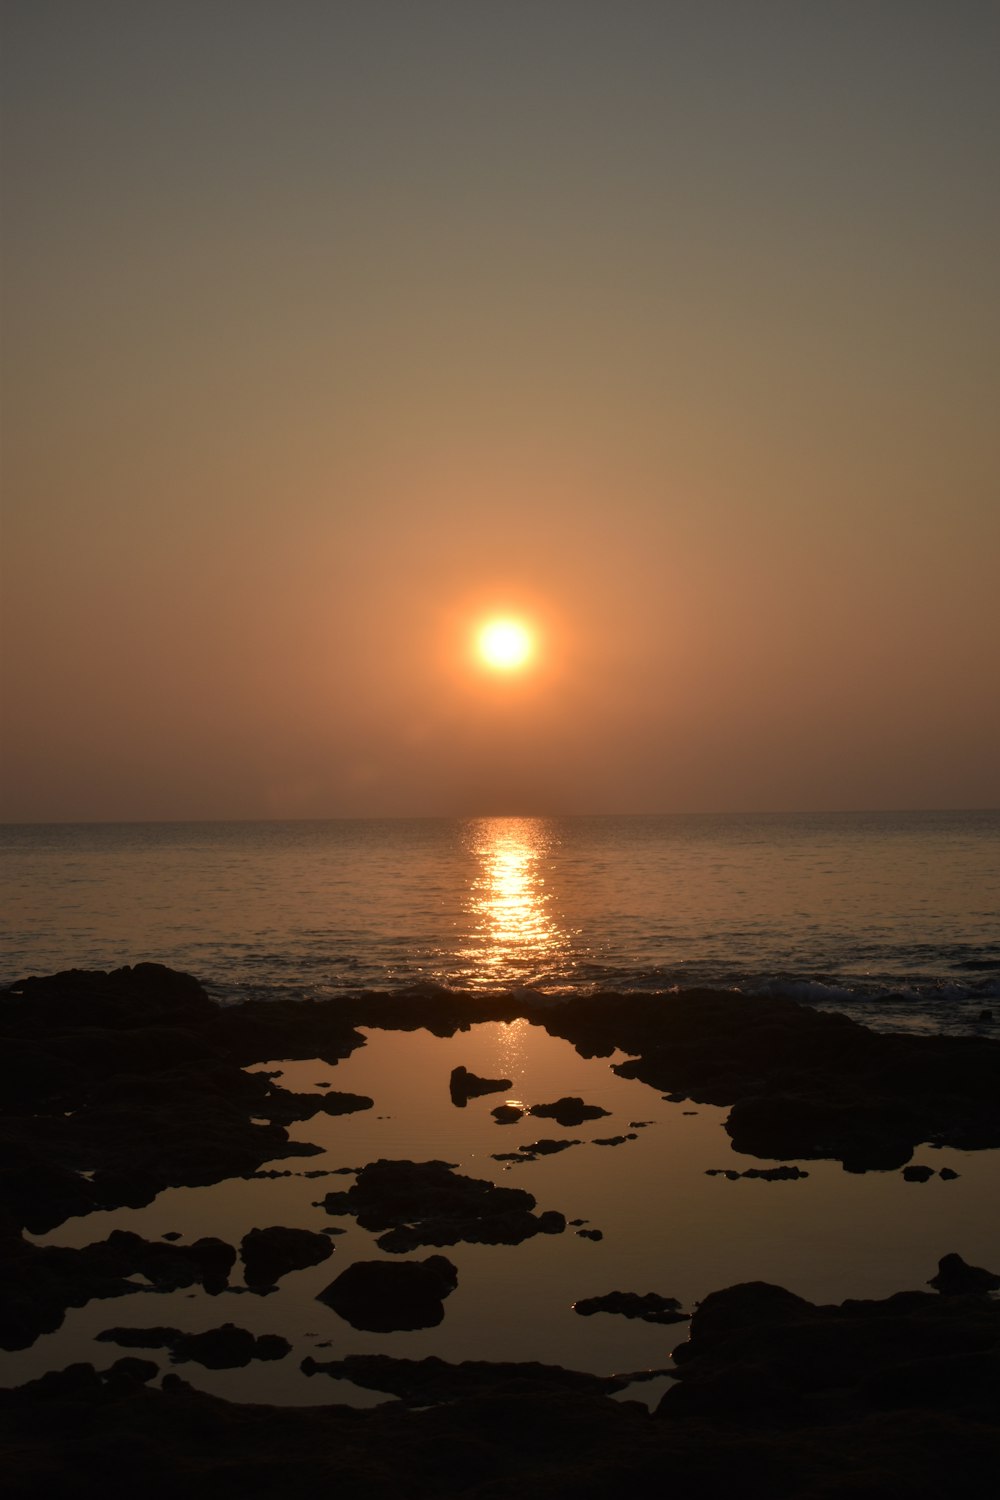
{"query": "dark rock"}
[(954, 1277), (465, 1086), (917, 1173), (775, 1174), (135, 1079), (424, 1381), (129, 1372), (590, 1234), (801, 1083), (507, 1114), (948, 1174), (284, 1107), (649, 1306), (42, 1281), (225, 1348), (614, 1140), (534, 1151), (760, 1356), (427, 1203), (568, 1111), (269, 1254), (788, 1401), (382, 1296)]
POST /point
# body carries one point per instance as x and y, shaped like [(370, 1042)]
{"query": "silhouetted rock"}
[(759, 1355), (649, 1306), (383, 1296), (801, 1083), (427, 1203), (269, 1254), (614, 1140), (465, 1086), (917, 1173), (507, 1114), (422, 1381), (225, 1348), (955, 1278), (762, 1174), (775, 1398), (534, 1150), (41, 1281), (135, 1079), (590, 1234), (568, 1112)]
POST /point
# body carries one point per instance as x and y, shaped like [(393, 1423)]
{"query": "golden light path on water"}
[(515, 938)]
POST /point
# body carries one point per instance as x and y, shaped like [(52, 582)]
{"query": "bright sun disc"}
[(505, 645)]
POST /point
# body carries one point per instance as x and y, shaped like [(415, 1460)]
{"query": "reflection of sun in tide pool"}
[(505, 645)]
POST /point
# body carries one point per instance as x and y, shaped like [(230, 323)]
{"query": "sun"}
[(505, 645)]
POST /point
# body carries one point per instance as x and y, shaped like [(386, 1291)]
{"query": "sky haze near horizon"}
[(330, 330)]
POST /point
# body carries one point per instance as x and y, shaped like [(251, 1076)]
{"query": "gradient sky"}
[(331, 328)]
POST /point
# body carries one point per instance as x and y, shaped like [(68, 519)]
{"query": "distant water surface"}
[(891, 916)]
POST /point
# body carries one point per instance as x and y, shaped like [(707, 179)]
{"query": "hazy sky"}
[(331, 327)]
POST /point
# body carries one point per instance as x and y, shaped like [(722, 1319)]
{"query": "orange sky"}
[(330, 331)]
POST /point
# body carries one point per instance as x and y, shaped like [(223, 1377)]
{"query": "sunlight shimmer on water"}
[(514, 936)]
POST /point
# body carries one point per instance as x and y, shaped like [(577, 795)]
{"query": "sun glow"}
[(505, 645)]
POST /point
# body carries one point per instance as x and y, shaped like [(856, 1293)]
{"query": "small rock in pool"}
[(506, 1114), (269, 1254), (917, 1173), (615, 1140), (546, 1147), (568, 1111), (949, 1174), (381, 1296), (590, 1234), (465, 1086), (775, 1174), (650, 1307)]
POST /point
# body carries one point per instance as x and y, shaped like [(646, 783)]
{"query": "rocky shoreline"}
[(119, 1085)]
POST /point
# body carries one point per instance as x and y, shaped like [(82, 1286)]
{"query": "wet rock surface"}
[(383, 1296), (428, 1203)]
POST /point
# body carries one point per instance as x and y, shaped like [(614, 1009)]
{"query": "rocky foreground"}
[(119, 1085), (777, 1398)]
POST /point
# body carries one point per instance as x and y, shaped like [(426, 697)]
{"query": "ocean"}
[(892, 917)]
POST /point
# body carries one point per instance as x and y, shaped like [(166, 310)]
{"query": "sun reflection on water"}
[(514, 938)]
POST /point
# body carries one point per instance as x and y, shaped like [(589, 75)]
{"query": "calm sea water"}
[(893, 917)]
